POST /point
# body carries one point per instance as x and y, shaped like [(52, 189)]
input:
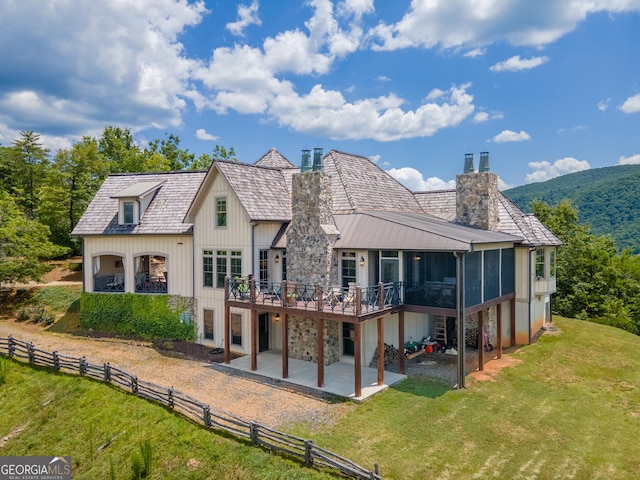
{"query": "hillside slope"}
[(607, 199)]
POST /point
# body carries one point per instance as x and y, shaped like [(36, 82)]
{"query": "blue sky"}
[(547, 87)]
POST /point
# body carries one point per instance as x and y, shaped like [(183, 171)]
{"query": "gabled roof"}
[(442, 203), (274, 159), (359, 184), (410, 231), (164, 215), (262, 191)]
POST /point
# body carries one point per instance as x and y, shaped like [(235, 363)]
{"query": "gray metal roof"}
[(138, 190), (442, 203), (410, 231), (164, 214), (359, 184), (262, 191)]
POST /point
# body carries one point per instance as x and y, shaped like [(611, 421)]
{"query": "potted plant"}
[(292, 298)]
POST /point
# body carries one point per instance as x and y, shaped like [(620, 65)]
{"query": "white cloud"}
[(383, 78), (247, 15), (414, 181), (202, 134), (631, 104), (511, 136), (603, 104), (474, 23), (84, 64), (517, 64), (544, 170), (375, 158), (577, 128), (481, 117), (632, 160), (475, 53)]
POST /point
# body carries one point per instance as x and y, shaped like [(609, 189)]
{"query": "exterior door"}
[(263, 332), (390, 270), (348, 334)]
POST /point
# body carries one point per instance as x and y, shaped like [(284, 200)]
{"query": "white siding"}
[(177, 249)]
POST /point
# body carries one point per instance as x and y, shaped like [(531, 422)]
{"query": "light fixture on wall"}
[(362, 261), (417, 257), (277, 259), (276, 317)]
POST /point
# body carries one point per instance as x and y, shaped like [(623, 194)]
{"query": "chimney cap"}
[(484, 162), (305, 165), (317, 159), (468, 163)]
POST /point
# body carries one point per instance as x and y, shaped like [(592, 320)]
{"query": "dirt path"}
[(242, 397)]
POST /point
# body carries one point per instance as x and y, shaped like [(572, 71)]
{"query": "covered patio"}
[(339, 379)]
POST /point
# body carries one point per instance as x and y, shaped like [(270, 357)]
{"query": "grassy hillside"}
[(570, 409), (44, 413), (608, 199)]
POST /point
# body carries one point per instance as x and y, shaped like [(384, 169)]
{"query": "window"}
[(236, 263), (508, 270), (207, 268), (127, 213), (491, 272), (540, 263), (221, 212), (284, 265), (236, 329), (208, 324), (221, 268), (552, 262), (348, 268), (264, 268)]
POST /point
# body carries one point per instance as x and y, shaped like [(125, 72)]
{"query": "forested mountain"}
[(607, 199)]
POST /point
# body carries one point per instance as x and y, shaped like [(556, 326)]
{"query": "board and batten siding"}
[(177, 249), (236, 236)]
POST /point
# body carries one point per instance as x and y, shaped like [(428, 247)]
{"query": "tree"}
[(76, 176), (24, 243), (28, 164), (594, 281), (120, 151), (169, 148), (204, 161)]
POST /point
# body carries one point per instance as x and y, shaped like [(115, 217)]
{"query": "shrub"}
[(135, 314), (37, 313)]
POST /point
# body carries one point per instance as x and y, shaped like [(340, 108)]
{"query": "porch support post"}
[(254, 340), (480, 341), (499, 328), (285, 345), (380, 351), (320, 324), (401, 341), (227, 334), (357, 360), (461, 313), (513, 322)]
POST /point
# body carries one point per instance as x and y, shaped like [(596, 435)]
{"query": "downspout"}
[(460, 313), (253, 253)]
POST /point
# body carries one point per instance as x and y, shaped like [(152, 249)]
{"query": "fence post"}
[(376, 469), (107, 372), (82, 368), (170, 399), (31, 352), (308, 458), (134, 385), (206, 411), (56, 361), (11, 344), (253, 432)]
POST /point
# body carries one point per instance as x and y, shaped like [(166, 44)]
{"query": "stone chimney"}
[(477, 195), (312, 233)]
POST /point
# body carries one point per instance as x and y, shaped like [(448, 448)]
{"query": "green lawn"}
[(68, 415), (570, 410)]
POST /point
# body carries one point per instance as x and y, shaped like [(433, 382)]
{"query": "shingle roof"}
[(262, 191), (139, 189), (164, 214), (274, 159), (359, 184), (442, 203)]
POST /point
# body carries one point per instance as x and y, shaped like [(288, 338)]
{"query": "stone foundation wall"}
[(490, 323), (303, 338)]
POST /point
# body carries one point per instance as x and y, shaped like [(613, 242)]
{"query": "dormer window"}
[(134, 200), (127, 213)]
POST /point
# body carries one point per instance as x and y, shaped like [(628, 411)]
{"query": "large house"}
[(325, 262)]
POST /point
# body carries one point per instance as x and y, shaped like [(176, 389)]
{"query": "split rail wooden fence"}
[(281, 443)]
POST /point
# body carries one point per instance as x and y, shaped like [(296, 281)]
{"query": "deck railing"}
[(352, 300)]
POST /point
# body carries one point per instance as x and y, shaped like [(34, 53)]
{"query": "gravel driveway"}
[(242, 397)]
